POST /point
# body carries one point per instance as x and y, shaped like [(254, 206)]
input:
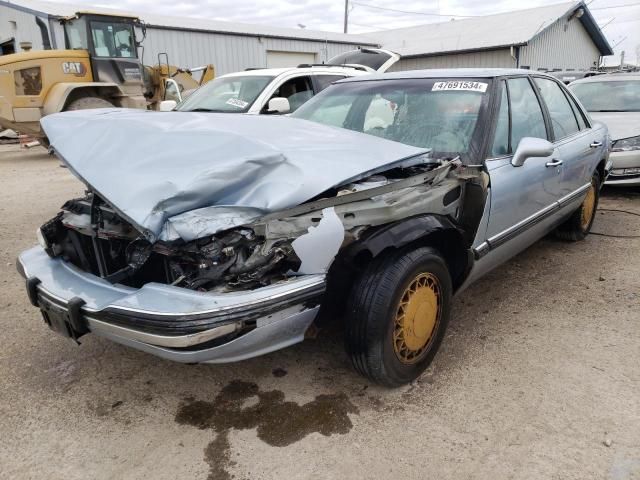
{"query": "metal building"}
[(563, 36), (189, 42)]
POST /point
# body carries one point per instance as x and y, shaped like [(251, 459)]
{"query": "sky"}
[(620, 18)]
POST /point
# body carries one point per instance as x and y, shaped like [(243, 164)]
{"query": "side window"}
[(562, 117), (297, 90), (501, 138), (526, 115), (578, 113), (323, 81)]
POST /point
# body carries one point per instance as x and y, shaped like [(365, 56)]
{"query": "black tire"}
[(577, 226), (373, 309), (87, 103)]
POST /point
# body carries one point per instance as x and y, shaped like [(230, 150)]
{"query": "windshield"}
[(113, 40), (226, 94), (609, 96), (440, 114)]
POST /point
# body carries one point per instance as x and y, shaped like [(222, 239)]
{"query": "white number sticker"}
[(460, 85), (237, 103)]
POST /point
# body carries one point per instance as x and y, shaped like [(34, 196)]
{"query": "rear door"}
[(576, 142), (369, 59), (323, 80)]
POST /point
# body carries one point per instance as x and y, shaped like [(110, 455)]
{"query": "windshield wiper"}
[(202, 110)]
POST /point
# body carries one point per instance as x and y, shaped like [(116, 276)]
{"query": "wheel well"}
[(350, 263), (107, 93), (601, 170), (451, 246)]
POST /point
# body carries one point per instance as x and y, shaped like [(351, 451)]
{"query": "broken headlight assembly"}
[(626, 144)]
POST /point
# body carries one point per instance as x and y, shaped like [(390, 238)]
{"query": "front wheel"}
[(87, 103), (578, 225), (399, 310)]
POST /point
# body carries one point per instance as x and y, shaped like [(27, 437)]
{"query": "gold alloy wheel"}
[(588, 206), (417, 317)]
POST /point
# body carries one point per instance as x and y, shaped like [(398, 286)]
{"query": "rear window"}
[(609, 96)]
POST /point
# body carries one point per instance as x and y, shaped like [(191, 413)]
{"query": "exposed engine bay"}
[(93, 236)]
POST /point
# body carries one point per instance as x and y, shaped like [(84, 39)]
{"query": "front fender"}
[(404, 232), (432, 230)]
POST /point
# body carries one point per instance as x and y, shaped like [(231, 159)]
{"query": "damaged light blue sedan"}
[(207, 237)]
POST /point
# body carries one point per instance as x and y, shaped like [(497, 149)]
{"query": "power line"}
[(410, 13)]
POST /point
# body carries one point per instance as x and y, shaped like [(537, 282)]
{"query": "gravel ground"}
[(537, 378)]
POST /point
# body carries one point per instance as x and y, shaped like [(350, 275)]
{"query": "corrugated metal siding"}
[(486, 59), (229, 53), (26, 29), (563, 45)]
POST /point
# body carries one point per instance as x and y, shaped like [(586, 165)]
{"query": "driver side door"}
[(523, 199)]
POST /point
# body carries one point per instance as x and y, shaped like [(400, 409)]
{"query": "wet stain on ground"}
[(278, 422), (278, 372)]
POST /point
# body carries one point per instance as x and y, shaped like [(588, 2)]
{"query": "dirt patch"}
[(278, 422)]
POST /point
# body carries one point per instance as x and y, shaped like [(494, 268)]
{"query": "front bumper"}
[(622, 161), (172, 322)]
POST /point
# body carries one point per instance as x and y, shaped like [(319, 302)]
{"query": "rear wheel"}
[(399, 311), (86, 103), (578, 225)]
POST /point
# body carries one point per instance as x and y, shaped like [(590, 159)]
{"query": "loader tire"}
[(87, 103)]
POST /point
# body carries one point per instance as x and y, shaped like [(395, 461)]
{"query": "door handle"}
[(554, 163), (595, 145)]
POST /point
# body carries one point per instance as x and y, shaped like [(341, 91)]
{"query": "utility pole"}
[(346, 16)]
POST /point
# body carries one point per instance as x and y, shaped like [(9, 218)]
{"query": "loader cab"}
[(112, 46)]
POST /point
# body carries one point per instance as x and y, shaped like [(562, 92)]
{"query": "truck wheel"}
[(86, 103), (399, 310), (579, 223)]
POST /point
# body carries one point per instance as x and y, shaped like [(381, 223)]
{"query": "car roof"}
[(274, 72), (610, 77), (447, 72)]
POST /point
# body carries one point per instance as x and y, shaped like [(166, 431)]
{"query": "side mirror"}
[(167, 105), (279, 105), (531, 147)]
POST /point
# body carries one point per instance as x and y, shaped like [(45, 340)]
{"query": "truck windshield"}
[(226, 94), (609, 96), (113, 39), (440, 114)]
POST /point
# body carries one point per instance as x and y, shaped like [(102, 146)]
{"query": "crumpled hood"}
[(620, 124), (151, 166)]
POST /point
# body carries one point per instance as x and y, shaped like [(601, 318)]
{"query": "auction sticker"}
[(459, 85), (237, 103)]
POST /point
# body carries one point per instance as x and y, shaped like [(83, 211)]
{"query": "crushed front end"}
[(219, 284)]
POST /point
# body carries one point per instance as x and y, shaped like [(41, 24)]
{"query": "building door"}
[(288, 59)]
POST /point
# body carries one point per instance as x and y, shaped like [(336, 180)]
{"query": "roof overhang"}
[(467, 50), (85, 13), (590, 24)]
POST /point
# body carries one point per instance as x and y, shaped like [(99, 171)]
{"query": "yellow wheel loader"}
[(99, 68)]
